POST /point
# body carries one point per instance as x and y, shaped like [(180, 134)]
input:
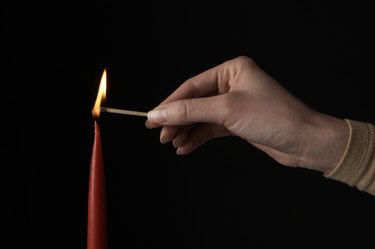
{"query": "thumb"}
[(188, 111)]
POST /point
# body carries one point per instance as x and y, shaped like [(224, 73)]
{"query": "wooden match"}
[(124, 112)]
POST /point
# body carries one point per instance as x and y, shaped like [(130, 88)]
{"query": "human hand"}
[(238, 98)]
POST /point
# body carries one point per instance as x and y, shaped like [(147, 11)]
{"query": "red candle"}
[(97, 210)]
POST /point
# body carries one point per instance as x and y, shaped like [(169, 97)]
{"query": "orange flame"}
[(101, 95)]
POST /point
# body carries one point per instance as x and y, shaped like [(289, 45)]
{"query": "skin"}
[(237, 98)]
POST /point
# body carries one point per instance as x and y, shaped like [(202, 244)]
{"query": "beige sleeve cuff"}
[(357, 166)]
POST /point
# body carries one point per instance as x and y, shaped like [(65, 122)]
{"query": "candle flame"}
[(101, 95)]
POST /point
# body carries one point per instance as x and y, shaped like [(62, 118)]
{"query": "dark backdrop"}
[(226, 194)]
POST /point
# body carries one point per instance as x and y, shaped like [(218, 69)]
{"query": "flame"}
[(101, 95)]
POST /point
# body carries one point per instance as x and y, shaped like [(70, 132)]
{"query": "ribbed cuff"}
[(357, 166)]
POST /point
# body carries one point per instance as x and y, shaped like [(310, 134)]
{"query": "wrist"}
[(327, 143)]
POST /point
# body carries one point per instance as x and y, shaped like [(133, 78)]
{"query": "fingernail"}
[(174, 143), (162, 140), (157, 115), (147, 125), (178, 151)]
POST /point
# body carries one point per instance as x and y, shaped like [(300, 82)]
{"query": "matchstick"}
[(124, 112)]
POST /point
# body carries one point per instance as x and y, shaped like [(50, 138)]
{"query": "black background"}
[(226, 194)]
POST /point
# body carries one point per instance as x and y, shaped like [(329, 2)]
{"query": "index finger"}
[(197, 86)]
